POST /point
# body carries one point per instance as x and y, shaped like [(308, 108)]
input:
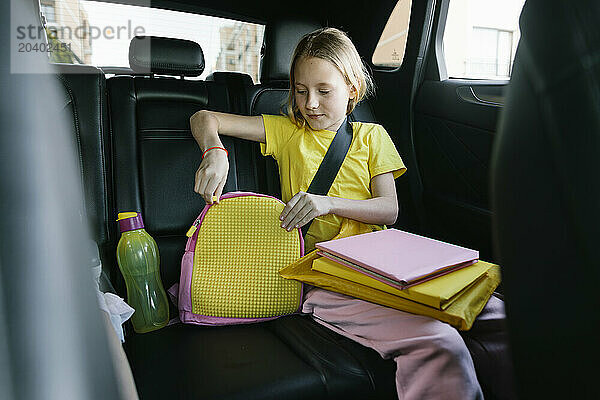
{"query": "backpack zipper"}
[(193, 228)]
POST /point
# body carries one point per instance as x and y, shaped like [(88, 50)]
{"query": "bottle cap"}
[(129, 221)]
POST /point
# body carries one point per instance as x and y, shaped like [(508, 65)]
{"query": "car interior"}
[(502, 166)]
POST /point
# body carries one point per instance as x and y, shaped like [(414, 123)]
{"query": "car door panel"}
[(454, 126)]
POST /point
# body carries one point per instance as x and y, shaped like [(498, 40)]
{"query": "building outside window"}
[(238, 48), (67, 23), (48, 10)]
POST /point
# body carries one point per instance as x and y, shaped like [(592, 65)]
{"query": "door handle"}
[(466, 93)]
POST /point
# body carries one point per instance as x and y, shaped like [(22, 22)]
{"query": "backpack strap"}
[(330, 166)]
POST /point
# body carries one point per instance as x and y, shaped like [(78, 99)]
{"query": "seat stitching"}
[(77, 130)]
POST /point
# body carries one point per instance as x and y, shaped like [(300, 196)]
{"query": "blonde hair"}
[(335, 46)]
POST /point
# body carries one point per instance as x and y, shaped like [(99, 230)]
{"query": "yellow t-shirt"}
[(299, 152)]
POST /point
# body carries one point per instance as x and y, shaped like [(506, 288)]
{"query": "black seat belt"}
[(330, 166)]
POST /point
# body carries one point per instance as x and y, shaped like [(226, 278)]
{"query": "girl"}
[(327, 80)]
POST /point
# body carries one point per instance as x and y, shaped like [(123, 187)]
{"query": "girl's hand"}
[(212, 175), (303, 208)]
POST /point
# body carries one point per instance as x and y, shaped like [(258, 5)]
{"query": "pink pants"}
[(432, 361)]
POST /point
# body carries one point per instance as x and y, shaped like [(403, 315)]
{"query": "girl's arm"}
[(382, 209), (206, 127), (206, 124)]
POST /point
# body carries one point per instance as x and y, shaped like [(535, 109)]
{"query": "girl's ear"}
[(353, 92)]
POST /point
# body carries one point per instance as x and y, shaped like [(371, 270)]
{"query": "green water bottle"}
[(137, 255)]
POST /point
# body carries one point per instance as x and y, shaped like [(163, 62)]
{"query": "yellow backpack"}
[(230, 268)]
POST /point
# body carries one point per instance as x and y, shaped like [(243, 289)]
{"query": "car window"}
[(97, 33), (389, 51), (481, 37)]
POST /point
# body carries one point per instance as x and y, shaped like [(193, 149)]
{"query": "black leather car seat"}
[(86, 111), (155, 158), (154, 154), (546, 200)]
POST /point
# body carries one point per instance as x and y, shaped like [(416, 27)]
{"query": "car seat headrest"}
[(280, 39), (226, 76), (168, 56)]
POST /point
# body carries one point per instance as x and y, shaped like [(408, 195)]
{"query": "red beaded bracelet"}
[(215, 147)]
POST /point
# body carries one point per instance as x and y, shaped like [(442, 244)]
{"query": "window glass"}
[(48, 11), (99, 34), (389, 51), (481, 37)]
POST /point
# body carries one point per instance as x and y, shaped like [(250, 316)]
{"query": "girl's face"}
[(321, 93)]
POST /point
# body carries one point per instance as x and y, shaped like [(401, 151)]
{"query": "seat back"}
[(155, 155), (85, 109), (546, 197)]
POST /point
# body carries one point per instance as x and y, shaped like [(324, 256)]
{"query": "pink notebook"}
[(405, 259)]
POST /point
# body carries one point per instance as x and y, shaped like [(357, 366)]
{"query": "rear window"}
[(97, 33)]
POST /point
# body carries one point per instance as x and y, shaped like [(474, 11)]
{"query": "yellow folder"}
[(461, 313), (439, 292)]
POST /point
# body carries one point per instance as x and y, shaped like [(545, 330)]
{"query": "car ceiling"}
[(347, 15)]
